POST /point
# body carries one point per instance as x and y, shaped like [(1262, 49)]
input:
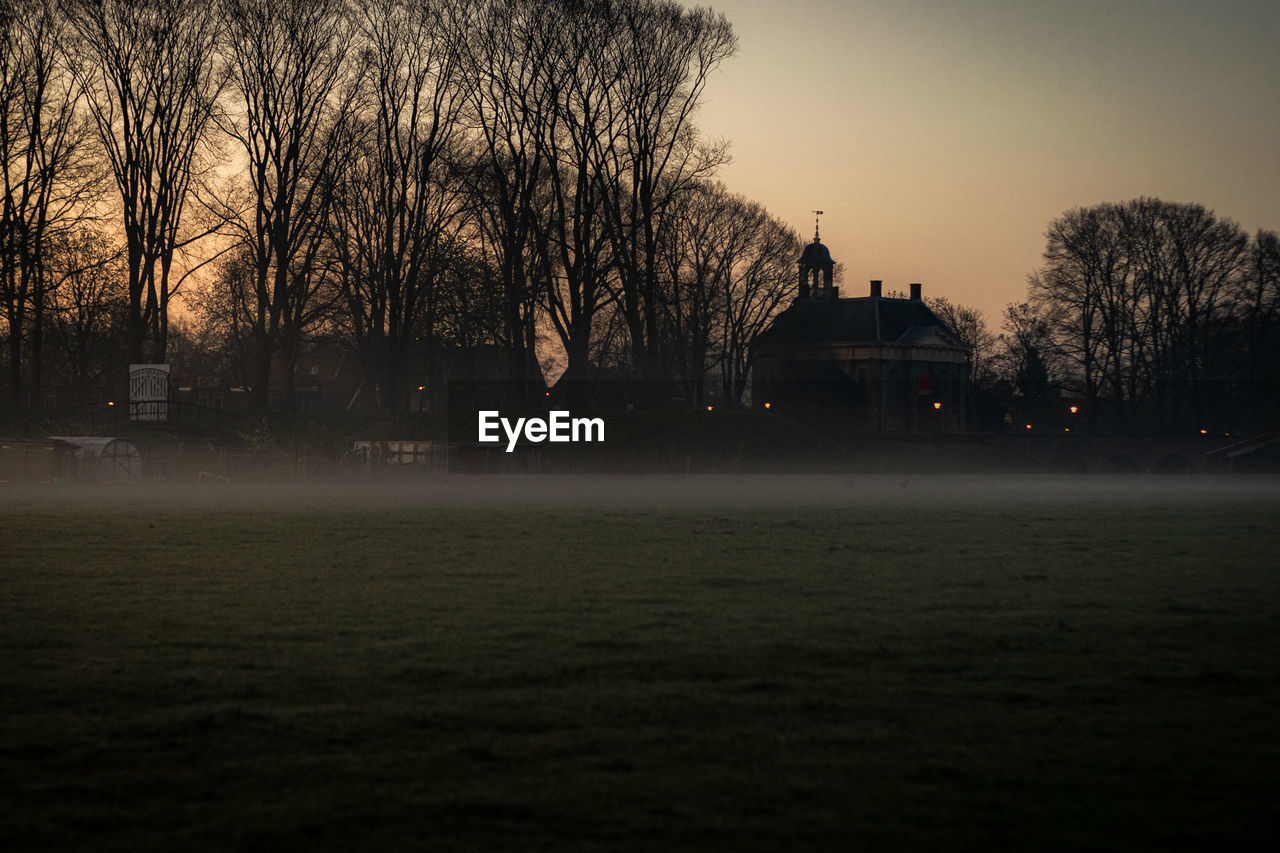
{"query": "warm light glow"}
[(1028, 426), (1189, 73), (709, 408), (422, 387), (1204, 432), (1075, 409), (768, 405), (111, 403), (937, 405), (1066, 429)]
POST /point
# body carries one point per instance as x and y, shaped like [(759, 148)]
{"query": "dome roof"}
[(816, 255)]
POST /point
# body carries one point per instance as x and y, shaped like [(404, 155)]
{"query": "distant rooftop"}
[(863, 319)]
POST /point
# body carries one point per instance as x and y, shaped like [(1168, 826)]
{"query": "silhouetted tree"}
[(762, 281), (728, 268), (1257, 317), (1085, 284), (971, 327), (294, 91), (223, 315), (49, 178), (697, 250), (89, 307), (666, 55), (151, 71), (1026, 351), (509, 74), (1139, 297), (1186, 263), (399, 205), (580, 139)]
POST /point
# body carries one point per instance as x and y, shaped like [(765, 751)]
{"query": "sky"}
[(941, 137)]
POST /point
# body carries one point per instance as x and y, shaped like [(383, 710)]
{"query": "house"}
[(876, 363)]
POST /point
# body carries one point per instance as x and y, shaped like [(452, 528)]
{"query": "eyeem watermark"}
[(558, 427)]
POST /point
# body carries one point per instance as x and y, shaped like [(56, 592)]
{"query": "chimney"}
[(915, 291), (875, 288)]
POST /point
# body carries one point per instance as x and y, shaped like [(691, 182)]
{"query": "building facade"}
[(883, 364)]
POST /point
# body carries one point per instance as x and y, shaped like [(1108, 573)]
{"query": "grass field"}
[(732, 663)]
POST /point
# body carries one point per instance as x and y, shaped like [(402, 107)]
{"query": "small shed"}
[(100, 459)]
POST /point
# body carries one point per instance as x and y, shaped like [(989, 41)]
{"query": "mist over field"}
[(637, 663), (666, 490)]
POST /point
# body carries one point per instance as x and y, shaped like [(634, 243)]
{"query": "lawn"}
[(365, 668)]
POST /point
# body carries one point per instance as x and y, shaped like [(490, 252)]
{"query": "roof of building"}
[(864, 319)]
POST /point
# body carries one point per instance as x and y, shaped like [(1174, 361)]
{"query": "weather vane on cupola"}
[(816, 213)]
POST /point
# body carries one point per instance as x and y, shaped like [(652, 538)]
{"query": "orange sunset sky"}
[(940, 137)]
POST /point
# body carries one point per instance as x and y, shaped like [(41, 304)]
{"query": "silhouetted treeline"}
[(401, 179), (412, 181), (1163, 316), (1146, 316)]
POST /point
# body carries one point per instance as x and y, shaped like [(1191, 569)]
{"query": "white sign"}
[(148, 392)]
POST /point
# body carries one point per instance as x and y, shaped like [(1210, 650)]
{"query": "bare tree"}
[(667, 54), (89, 307), (761, 283), (728, 268), (469, 309), (1085, 285), (222, 315), (510, 70), (579, 141), (50, 179), (399, 202), (293, 89), (1026, 351), (1206, 257), (1138, 296), (971, 327), (698, 249), (152, 74), (1257, 312)]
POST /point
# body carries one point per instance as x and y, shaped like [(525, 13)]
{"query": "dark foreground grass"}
[(426, 677)]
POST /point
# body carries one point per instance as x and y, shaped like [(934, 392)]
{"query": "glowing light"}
[(710, 408), (111, 403), (422, 387), (1204, 432), (937, 405), (1028, 426), (1075, 409), (1066, 429), (768, 405)]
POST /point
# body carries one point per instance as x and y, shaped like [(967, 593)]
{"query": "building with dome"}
[(876, 363)]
